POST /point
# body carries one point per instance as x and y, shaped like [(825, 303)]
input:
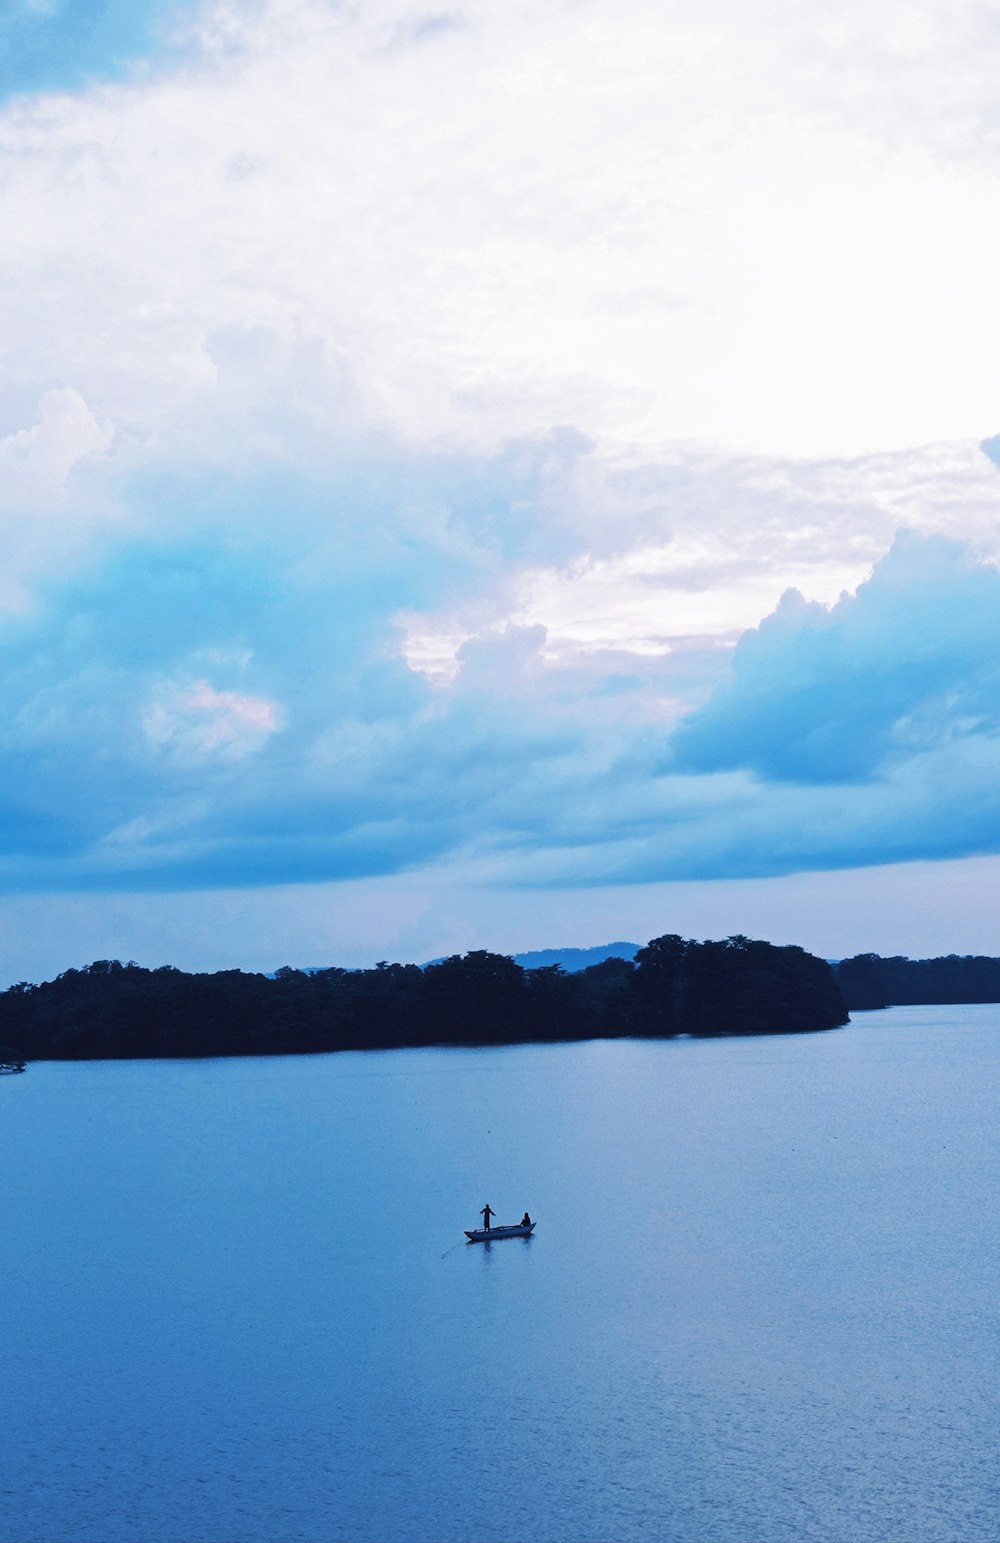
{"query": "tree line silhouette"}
[(675, 986), (869, 981)]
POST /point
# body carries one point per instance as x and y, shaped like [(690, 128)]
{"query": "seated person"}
[(525, 1220)]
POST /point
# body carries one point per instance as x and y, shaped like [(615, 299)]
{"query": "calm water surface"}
[(761, 1305)]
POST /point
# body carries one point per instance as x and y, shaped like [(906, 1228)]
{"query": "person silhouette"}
[(486, 1213), (525, 1220)]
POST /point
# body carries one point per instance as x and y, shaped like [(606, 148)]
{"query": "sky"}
[(505, 477)]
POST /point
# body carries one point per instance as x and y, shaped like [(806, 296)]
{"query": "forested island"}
[(869, 981), (675, 986)]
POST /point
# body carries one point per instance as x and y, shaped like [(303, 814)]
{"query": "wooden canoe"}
[(495, 1233)]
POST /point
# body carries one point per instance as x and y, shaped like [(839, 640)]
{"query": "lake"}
[(761, 1303)]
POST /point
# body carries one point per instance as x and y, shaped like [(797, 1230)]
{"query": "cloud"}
[(195, 716), (657, 558), (501, 662), (192, 721), (405, 413), (838, 695), (307, 245), (36, 462), (656, 230)]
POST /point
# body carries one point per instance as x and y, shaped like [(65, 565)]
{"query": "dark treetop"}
[(867, 980), (674, 987)]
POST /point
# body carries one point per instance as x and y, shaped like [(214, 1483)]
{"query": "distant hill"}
[(573, 959)]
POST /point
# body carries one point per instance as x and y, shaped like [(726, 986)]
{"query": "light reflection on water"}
[(760, 1303)]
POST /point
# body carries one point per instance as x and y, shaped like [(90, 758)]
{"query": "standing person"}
[(486, 1213)]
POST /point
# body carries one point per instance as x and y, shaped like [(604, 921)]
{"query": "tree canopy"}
[(868, 980), (111, 1010)]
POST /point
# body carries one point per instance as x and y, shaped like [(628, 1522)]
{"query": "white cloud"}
[(52, 502), (191, 721), (703, 548), (666, 225), (565, 336), (36, 462), (635, 219)]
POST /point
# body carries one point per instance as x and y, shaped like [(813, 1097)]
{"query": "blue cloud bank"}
[(908, 664), (228, 705)]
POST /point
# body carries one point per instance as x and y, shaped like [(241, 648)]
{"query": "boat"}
[(479, 1235)]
